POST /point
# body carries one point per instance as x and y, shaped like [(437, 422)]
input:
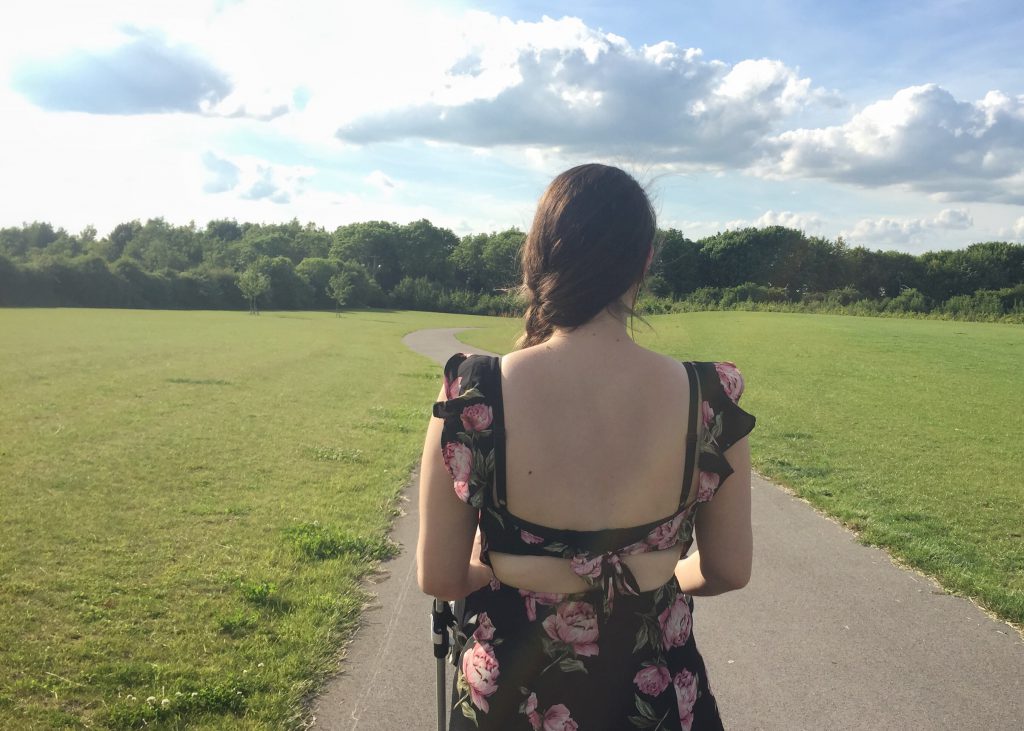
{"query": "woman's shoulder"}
[(463, 369), (722, 376)]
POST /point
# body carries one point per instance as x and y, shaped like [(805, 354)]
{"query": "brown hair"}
[(588, 244)]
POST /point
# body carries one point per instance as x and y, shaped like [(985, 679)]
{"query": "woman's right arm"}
[(725, 543), (447, 558)]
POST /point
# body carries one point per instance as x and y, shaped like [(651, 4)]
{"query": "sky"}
[(894, 125)]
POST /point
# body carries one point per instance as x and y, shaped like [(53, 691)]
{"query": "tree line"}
[(232, 265)]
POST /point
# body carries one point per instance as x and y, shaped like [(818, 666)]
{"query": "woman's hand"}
[(480, 574)]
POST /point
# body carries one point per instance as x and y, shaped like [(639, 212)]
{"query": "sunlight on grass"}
[(189, 502)]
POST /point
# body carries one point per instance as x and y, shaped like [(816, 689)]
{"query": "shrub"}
[(908, 300)]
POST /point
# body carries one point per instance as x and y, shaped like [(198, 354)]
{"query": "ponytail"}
[(589, 243), (538, 327)]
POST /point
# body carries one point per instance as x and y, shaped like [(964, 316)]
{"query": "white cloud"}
[(526, 98), (922, 138), (255, 179), (954, 218), (222, 174), (1014, 232), (379, 179), (906, 231), (558, 84), (807, 222), (144, 74)]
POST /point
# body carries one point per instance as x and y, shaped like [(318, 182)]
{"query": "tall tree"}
[(253, 283)]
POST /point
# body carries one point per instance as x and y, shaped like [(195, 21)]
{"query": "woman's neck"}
[(602, 330)]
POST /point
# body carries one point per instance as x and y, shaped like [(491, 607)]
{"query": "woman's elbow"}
[(731, 577), (439, 585), (736, 579)]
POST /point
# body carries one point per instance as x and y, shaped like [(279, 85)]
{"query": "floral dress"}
[(611, 657)]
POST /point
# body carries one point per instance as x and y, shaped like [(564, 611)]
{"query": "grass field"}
[(189, 499), (187, 502), (908, 431)]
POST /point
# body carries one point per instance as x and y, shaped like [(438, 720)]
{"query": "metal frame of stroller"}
[(444, 618)]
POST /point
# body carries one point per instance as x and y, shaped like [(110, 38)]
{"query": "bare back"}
[(595, 439)]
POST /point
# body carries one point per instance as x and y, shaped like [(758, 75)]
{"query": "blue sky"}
[(895, 125)]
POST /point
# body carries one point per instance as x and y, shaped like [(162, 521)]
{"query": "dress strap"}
[(498, 427), (693, 424)]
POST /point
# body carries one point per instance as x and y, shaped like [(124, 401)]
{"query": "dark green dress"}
[(609, 658)]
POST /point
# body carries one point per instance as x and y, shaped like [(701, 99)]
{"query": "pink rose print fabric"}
[(458, 458), (653, 679), (675, 624), (731, 379), (708, 484), (612, 656), (574, 624), (666, 535), (477, 417), (528, 537), (685, 684), (484, 628), (558, 718), (480, 672), (532, 599)]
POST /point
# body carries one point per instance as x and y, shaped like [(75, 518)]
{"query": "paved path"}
[(829, 634)]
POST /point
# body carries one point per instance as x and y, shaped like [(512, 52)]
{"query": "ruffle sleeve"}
[(467, 445), (724, 423)]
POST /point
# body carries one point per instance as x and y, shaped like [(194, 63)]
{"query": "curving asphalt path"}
[(829, 634)]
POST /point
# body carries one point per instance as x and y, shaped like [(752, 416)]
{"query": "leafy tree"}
[(678, 264), (159, 264), (365, 290), (316, 273), (224, 229), (288, 290), (142, 288), (376, 245), (340, 290), (159, 245), (487, 262), (423, 250), (312, 242), (113, 247), (253, 283), (418, 293), (29, 239), (11, 283)]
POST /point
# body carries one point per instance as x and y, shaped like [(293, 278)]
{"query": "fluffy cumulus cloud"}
[(906, 231), (808, 222), (120, 88), (144, 74), (253, 179), (561, 84), (922, 138)]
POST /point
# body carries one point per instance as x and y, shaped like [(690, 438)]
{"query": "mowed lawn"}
[(187, 503), (909, 431)]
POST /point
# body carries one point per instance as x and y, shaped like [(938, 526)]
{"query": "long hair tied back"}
[(588, 244)]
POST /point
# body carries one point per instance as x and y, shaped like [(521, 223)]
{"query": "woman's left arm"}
[(447, 563)]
